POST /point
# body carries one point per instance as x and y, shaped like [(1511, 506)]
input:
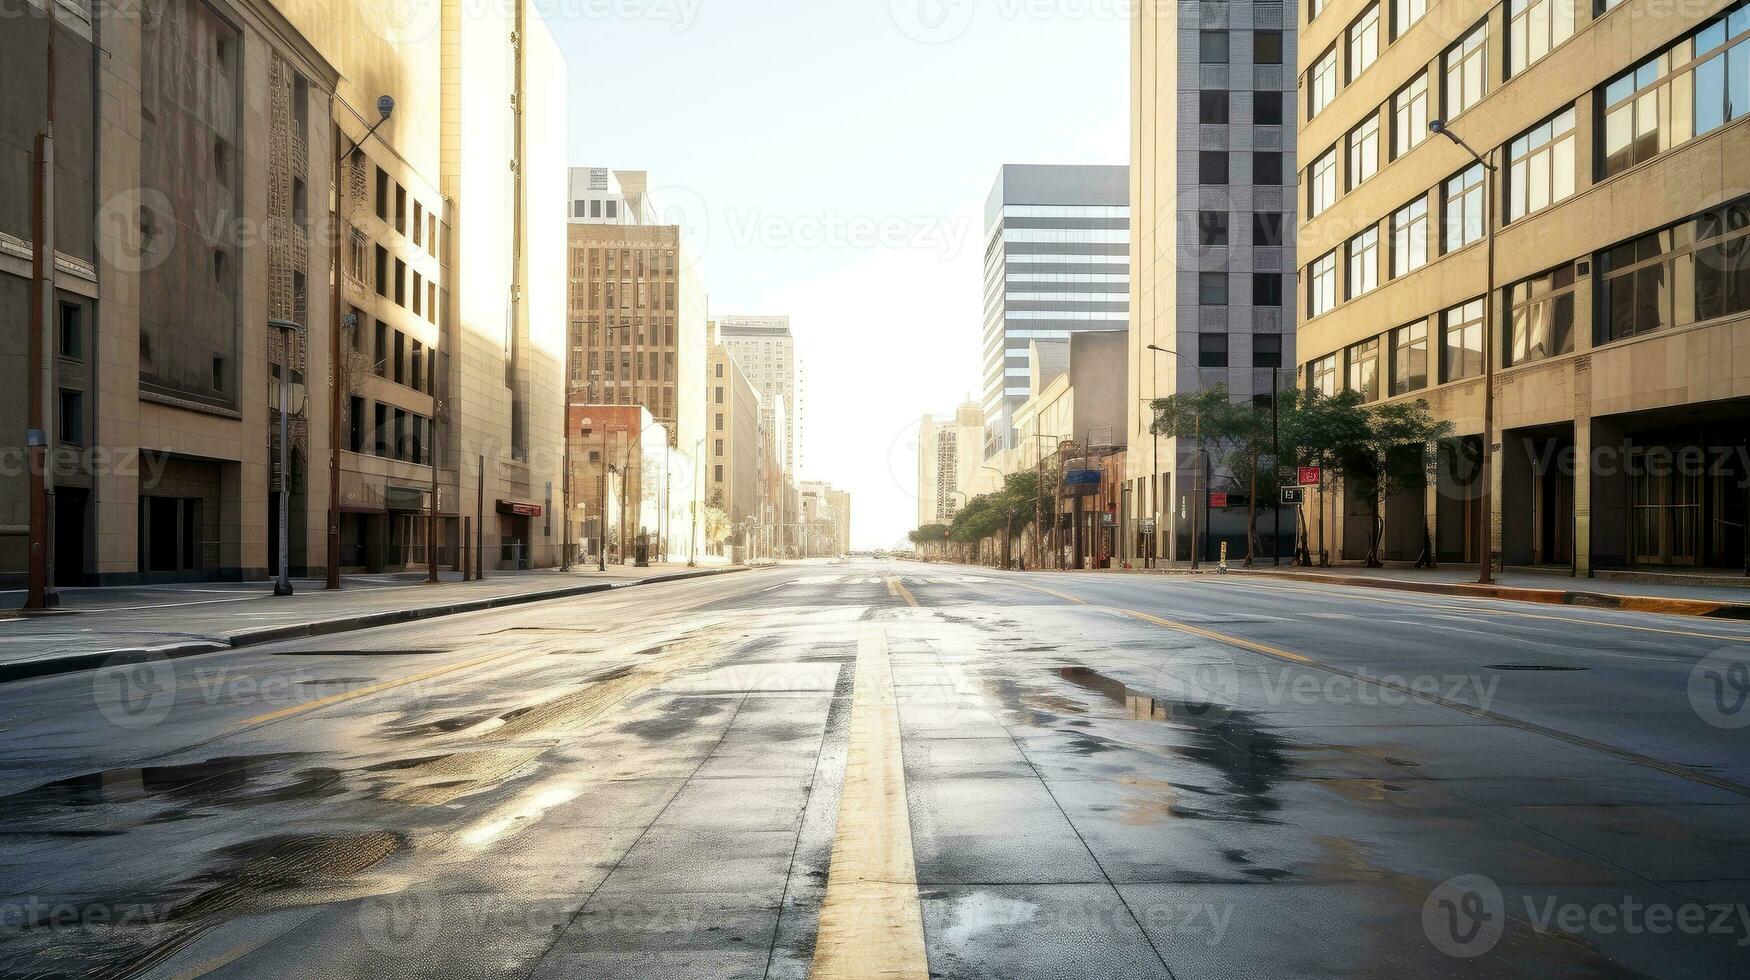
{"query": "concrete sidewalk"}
[(1516, 584), (96, 627)]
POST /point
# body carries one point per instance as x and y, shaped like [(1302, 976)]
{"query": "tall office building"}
[(1056, 261), (766, 351), (950, 457), (1621, 313), (1213, 169)]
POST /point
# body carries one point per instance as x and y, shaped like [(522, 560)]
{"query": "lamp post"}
[(1485, 526), (385, 109), (1196, 505), (289, 338), (698, 488)]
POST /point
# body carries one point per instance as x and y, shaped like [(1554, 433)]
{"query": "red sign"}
[(515, 509), (1311, 476), (1218, 500)]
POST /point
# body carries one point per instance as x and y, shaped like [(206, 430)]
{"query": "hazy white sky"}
[(830, 159)]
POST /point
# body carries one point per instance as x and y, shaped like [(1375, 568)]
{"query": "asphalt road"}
[(848, 770)]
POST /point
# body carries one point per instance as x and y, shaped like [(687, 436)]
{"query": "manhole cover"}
[(1531, 667)]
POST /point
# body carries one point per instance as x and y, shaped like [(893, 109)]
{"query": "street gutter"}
[(75, 662)]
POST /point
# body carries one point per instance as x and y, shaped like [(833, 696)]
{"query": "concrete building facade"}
[(732, 451), (766, 350), (1056, 262), (950, 455), (1213, 170), (1618, 136)]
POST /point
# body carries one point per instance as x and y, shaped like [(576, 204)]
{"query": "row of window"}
[(390, 433), (648, 366), (631, 263), (419, 226), (1215, 168), (1691, 272), (1358, 49), (396, 356), (1216, 47), (1214, 108), (1690, 89), (629, 332), (1213, 350)]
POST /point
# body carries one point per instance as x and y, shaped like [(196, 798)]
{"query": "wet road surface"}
[(847, 770)]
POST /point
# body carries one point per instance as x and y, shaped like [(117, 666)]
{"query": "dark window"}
[(219, 374), (356, 416), (400, 375), (1212, 108), (382, 431), (1266, 168), (1212, 350), (1267, 350), (382, 271), (1267, 108), (382, 352), (1213, 47), (1266, 289), (1541, 319), (1267, 48), (1211, 228), (72, 420), (1211, 167), (1696, 270), (1409, 353), (1212, 288), (1267, 228), (72, 332), (382, 194), (400, 434), (400, 283)]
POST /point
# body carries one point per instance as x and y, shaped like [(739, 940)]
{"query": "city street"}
[(865, 768)]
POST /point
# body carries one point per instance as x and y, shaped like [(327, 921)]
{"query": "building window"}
[(717, 447), (1363, 152), (71, 422), (1322, 83), (1266, 169), (1212, 108), (1466, 66), (1461, 341), (382, 195), (72, 332), (719, 473), (1409, 238), (300, 204), (382, 271), (1409, 109), (1321, 375), (1266, 289), (1267, 48), (381, 438), (1534, 28), (382, 365), (1541, 167), (1267, 108), (1212, 228), (1212, 47), (355, 416), (400, 375), (1540, 324), (1212, 288), (1211, 167), (1409, 356), (1722, 82), (1364, 263), (418, 221), (1322, 184), (1212, 350), (1267, 350), (1463, 224), (1363, 42), (1405, 14), (1314, 8), (719, 421), (1364, 369), (1267, 228), (1649, 109), (1322, 285), (1696, 270)]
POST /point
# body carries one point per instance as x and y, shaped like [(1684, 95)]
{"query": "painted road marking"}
[(354, 695), (897, 589), (871, 923)]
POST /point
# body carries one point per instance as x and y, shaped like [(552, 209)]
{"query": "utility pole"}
[(439, 410), (1276, 460), (480, 526), (41, 387), (289, 332)]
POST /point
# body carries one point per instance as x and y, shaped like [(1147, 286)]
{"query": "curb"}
[(76, 662), (1660, 605)]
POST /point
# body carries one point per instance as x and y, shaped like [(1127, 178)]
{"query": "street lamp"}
[(1196, 505), (587, 427), (385, 109), (289, 332), (1485, 526)]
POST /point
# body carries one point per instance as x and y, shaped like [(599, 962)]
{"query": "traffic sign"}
[(1218, 500), (1294, 495), (1146, 525), (1311, 476)]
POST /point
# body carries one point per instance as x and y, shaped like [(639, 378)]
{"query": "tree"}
[(1327, 431), (1238, 434), (1401, 452), (717, 526)]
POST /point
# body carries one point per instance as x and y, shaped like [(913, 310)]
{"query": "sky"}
[(830, 160)]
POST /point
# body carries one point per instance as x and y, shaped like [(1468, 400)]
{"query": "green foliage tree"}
[(1401, 452), (1330, 432)]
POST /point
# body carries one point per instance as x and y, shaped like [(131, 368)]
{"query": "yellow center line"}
[(899, 591), (363, 692), (871, 922), (1471, 600)]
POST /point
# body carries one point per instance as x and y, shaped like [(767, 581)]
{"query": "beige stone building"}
[(732, 445), (1617, 137), (950, 457), (217, 129)]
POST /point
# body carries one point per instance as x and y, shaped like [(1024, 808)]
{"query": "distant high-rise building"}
[(766, 351), (1057, 261), (950, 453)]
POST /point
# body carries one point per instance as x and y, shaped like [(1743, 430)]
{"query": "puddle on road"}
[(216, 782)]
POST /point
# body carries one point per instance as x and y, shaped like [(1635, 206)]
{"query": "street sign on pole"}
[(1294, 495), (1217, 500), (1311, 476)]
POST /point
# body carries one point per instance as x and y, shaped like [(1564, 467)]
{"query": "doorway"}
[(1665, 509), (70, 507)]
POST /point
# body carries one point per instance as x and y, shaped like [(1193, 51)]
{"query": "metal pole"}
[(1276, 460), (1154, 461), (431, 570), (565, 489), (1488, 493), (283, 587), (480, 526), (336, 375), (40, 387), (1202, 491)]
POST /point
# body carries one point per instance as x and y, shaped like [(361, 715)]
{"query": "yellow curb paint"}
[(871, 923)]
